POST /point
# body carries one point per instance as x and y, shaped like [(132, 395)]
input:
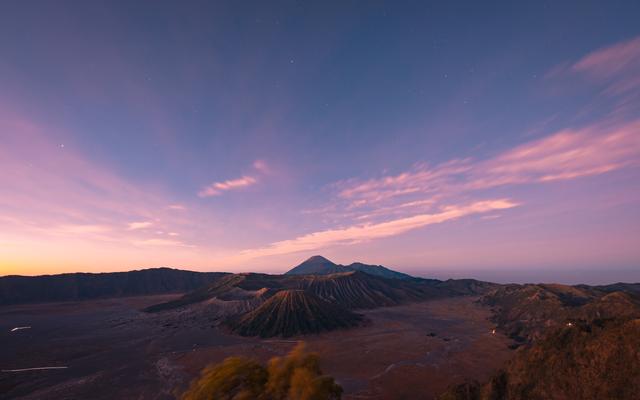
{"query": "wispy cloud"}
[(617, 67), (160, 242), (139, 225), (260, 167), (82, 229), (564, 155), (568, 154), (365, 232), (619, 64), (217, 188)]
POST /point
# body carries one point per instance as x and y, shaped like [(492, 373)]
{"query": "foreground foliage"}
[(296, 376)]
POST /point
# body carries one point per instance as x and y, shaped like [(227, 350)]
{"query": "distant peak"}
[(319, 265), (316, 265), (318, 258)]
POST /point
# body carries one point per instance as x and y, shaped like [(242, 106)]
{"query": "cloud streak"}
[(619, 65), (160, 242), (139, 225), (564, 155), (217, 188), (365, 232)]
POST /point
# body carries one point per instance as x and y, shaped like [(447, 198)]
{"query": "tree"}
[(236, 378), (296, 376)]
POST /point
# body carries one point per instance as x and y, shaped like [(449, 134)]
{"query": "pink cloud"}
[(139, 225), (217, 188), (569, 154), (365, 232), (617, 67), (564, 155), (82, 229), (160, 242), (261, 166), (612, 60)]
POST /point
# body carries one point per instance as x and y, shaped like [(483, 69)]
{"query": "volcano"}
[(291, 313)]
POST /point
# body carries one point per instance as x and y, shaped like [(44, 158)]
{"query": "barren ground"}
[(113, 351)]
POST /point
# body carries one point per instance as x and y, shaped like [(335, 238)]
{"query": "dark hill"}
[(318, 265), (83, 286), (293, 312)]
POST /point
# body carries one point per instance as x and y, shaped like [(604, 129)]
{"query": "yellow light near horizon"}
[(37, 255)]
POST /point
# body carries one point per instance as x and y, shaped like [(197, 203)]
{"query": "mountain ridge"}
[(18, 289)]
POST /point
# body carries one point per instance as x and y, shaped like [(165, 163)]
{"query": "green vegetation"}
[(296, 376)]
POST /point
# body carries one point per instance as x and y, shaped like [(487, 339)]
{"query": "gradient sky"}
[(495, 141)]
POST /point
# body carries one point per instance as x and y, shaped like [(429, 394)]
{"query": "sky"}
[(499, 141)]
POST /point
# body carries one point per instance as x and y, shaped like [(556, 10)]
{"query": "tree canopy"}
[(296, 376)]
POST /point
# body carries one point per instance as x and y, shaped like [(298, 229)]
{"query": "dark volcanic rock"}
[(293, 312)]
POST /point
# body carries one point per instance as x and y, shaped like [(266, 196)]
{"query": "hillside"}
[(83, 286), (360, 290), (227, 287), (464, 287), (578, 342), (526, 312), (293, 312), (595, 360)]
